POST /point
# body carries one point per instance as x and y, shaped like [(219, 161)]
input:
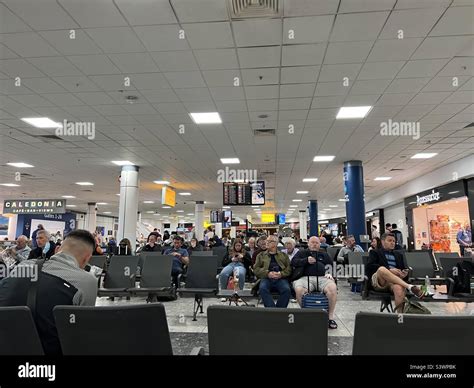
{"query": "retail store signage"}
[(34, 206), (434, 196)]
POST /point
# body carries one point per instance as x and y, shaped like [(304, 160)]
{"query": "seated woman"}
[(194, 246), (237, 258)]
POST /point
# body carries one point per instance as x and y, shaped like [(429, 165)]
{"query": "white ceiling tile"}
[(330, 89), (442, 47), (149, 81), (263, 76), (112, 82), (148, 12), (63, 99), (109, 110), (95, 98), (10, 87), (116, 39), (11, 22), (19, 68), (445, 84), (407, 85), (469, 85), (231, 106), (299, 74), (216, 59), (393, 49), (422, 68), (327, 102), (6, 53), (162, 38), (344, 52), (408, 4), (458, 67), (339, 72), (294, 103), (444, 109), (31, 100), (227, 93), (262, 105), (185, 79), (296, 90), (348, 6), (77, 84), (94, 64), (209, 35), (28, 44), (413, 23), (259, 56), (81, 111), (261, 92), (42, 85), (322, 114), (361, 100), (134, 62), (202, 11), (456, 21), (460, 97), (307, 54), (175, 60), (91, 13), (194, 94), (62, 42), (312, 29), (222, 77), (200, 106), (174, 107), (358, 26), (139, 109), (309, 7), (257, 32), (369, 86), (395, 99), (380, 70)]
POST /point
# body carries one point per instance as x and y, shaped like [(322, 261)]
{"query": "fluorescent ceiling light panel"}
[(9, 184), (184, 193), (310, 179), (423, 155), (20, 165), (230, 160), (102, 203), (122, 163), (84, 183), (206, 118), (327, 158), (41, 122), (383, 178), (297, 200), (148, 201), (68, 196), (161, 182), (302, 192), (353, 112)]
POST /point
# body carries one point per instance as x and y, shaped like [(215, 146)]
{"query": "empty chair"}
[(446, 254), (18, 334), (332, 252), (448, 263), (220, 252), (422, 264), (155, 276), (120, 276), (277, 331), (202, 253), (424, 335), (200, 280), (98, 261), (113, 330)]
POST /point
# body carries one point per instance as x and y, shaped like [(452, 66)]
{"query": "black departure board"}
[(244, 194)]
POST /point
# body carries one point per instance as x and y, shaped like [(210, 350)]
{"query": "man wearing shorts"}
[(314, 263), (387, 272)]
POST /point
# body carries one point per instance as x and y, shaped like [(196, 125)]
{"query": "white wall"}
[(396, 215)]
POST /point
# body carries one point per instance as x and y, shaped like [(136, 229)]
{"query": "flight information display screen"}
[(244, 194)]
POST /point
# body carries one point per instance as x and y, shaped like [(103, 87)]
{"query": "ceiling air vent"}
[(264, 132), (469, 125), (48, 137), (89, 191), (242, 9), (397, 169)]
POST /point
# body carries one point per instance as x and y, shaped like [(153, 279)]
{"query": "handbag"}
[(315, 300), (412, 307)]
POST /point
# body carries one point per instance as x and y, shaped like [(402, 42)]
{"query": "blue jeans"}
[(228, 271), (279, 285)]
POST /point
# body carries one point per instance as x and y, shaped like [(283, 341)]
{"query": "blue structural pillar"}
[(354, 196), (313, 217)]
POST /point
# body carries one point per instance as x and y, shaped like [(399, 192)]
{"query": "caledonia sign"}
[(34, 206)]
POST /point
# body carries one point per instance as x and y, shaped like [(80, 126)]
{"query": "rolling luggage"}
[(315, 300)]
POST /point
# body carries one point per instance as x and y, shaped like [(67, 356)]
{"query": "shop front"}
[(436, 217)]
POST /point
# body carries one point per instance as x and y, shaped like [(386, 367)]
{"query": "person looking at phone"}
[(181, 258), (386, 271), (237, 259)]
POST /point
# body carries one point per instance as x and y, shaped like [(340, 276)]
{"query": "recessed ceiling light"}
[(333, 206), (71, 206), (123, 163), (302, 192), (383, 178), (157, 214), (297, 200), (353, 112), (255, 206), (225, 207), (342, 200), (328, 210), (68, 196), (41, 122), (9, 184), (190, 214), (148, 201), (20, 165), (107, 212), (238, 181), (328, 158), (118, 194), (206, 118), (423, 155), (84, 184), (102, 203), (179, 211), (293, 205), (166, 207), (310, 179), (323, 222), (161, 182), (150, 212), (184, 193), (230, 160)]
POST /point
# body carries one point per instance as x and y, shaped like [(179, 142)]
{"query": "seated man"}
[(314, 263), (273, 268), (181, 258), (386, 271), (351, 246), (152, 245)]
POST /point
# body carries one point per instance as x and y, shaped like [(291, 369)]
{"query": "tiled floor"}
[(187, 334)]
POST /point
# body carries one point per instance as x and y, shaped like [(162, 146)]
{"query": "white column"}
[(128, 208), (91, 217), (12, 223), (303, 225), (199, 220), (233, 232), (218, 228)]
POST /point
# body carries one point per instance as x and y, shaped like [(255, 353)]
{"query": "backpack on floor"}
[(412, 307)]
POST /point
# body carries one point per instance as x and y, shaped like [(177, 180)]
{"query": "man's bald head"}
[(21, 241), (314, 243)]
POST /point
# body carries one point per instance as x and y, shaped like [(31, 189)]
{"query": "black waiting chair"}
[(421, 265), (448, 263), (438, 255), (155, 277), (220, 252), (200, 280), (120, 276), (18, 334), (368, 293), (113, 330), (201, 253), (98, 261), (416, 335), (233, 331), (332, 252)]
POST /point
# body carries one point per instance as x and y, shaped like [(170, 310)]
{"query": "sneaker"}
[(293, 300), (223, 299), (417, 292)]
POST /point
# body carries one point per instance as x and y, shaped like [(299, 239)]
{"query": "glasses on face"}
[(271, 241)]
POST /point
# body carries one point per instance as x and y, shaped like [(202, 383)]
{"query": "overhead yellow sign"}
[(268, 217), (168, 196)]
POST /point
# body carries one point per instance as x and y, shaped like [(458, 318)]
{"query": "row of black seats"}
[(143, 330)]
